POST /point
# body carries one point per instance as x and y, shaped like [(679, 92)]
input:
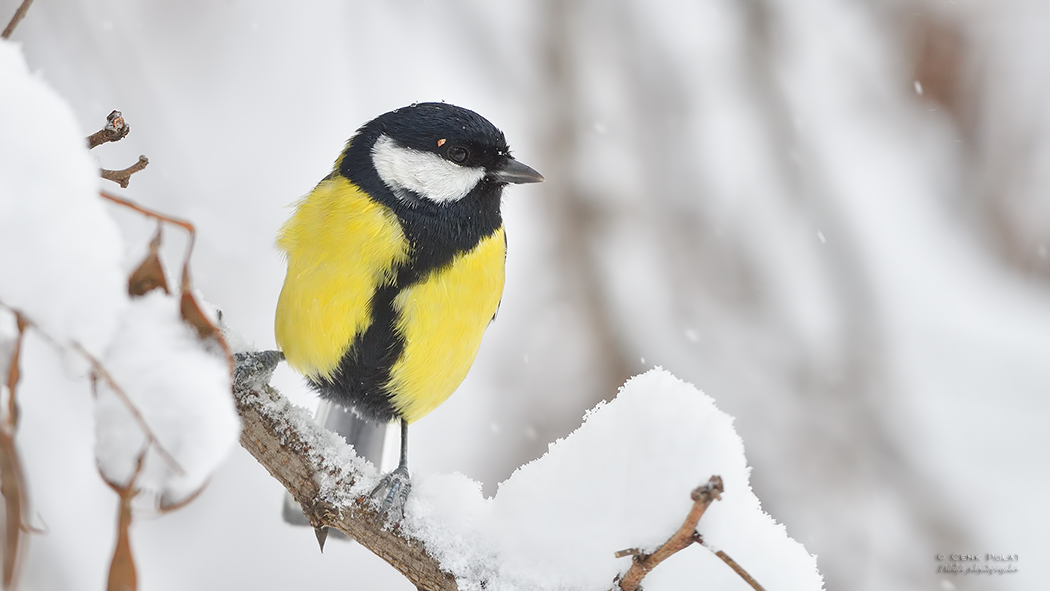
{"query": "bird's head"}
[(433, 152)]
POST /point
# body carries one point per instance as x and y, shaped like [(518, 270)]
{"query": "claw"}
[(391, 494)]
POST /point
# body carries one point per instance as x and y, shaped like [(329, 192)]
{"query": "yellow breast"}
[(442, 320), (340, 246)]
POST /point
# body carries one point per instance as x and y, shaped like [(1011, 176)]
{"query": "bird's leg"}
[(392, 491)]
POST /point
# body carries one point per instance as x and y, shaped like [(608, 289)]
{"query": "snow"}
[(62, 269), (61, 249), (950, 370), (622, 480), (336, 461), (182, 391)]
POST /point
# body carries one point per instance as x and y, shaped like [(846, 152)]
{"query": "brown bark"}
[(283, 447)]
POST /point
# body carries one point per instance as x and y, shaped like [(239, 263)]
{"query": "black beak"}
[(512, 171)]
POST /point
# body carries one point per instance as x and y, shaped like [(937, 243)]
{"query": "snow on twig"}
[(101, 372), (115, 130)]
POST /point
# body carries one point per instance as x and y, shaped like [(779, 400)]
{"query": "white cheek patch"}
[(428, 175)]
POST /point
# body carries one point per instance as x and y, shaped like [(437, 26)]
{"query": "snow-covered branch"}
[(556, 523), (324, 475)]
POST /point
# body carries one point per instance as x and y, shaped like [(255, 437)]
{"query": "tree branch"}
[(12, 477), (123, 177), (733, 565), (284, 439), (642, 563), (103, 374), (686, 535), (185, 287), (115, 130), (17, 18)]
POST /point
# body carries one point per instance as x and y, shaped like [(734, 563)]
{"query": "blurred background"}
[(831, 216)]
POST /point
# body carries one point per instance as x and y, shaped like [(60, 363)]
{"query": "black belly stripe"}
[(359, 381), (364, 370), (436, 233)]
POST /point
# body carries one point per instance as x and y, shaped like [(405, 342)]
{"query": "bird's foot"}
[(391, 494), (253, 369)]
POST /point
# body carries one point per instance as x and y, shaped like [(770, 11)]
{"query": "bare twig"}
[(12, 486), (164, 218), (123, 177), (17, 18), (165, 506), (733, 565), (642, 563), (287, 449), (115, 130), (100, 371), (188, 306), (12, 478), (14, 373)]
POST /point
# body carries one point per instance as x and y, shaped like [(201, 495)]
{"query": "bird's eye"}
[(458, 154)]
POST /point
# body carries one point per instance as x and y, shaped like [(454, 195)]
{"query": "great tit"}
[(396, 267)]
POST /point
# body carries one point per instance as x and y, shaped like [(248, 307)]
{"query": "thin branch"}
[(188, 306), (123, 177), (163, 506), (17, 18), (12, 477), (100, 371), (12, 486), (733, 565), (14, 373), (164, 218), (286, 447), (115, 130), (642, 563)]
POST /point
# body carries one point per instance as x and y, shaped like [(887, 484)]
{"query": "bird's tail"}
[(367, 438)]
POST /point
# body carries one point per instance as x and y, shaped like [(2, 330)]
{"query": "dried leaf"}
[(122, 575), (209, 334), (194, 316), (150, 273)]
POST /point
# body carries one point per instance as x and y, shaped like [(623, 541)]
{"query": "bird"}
[(395, 268)]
